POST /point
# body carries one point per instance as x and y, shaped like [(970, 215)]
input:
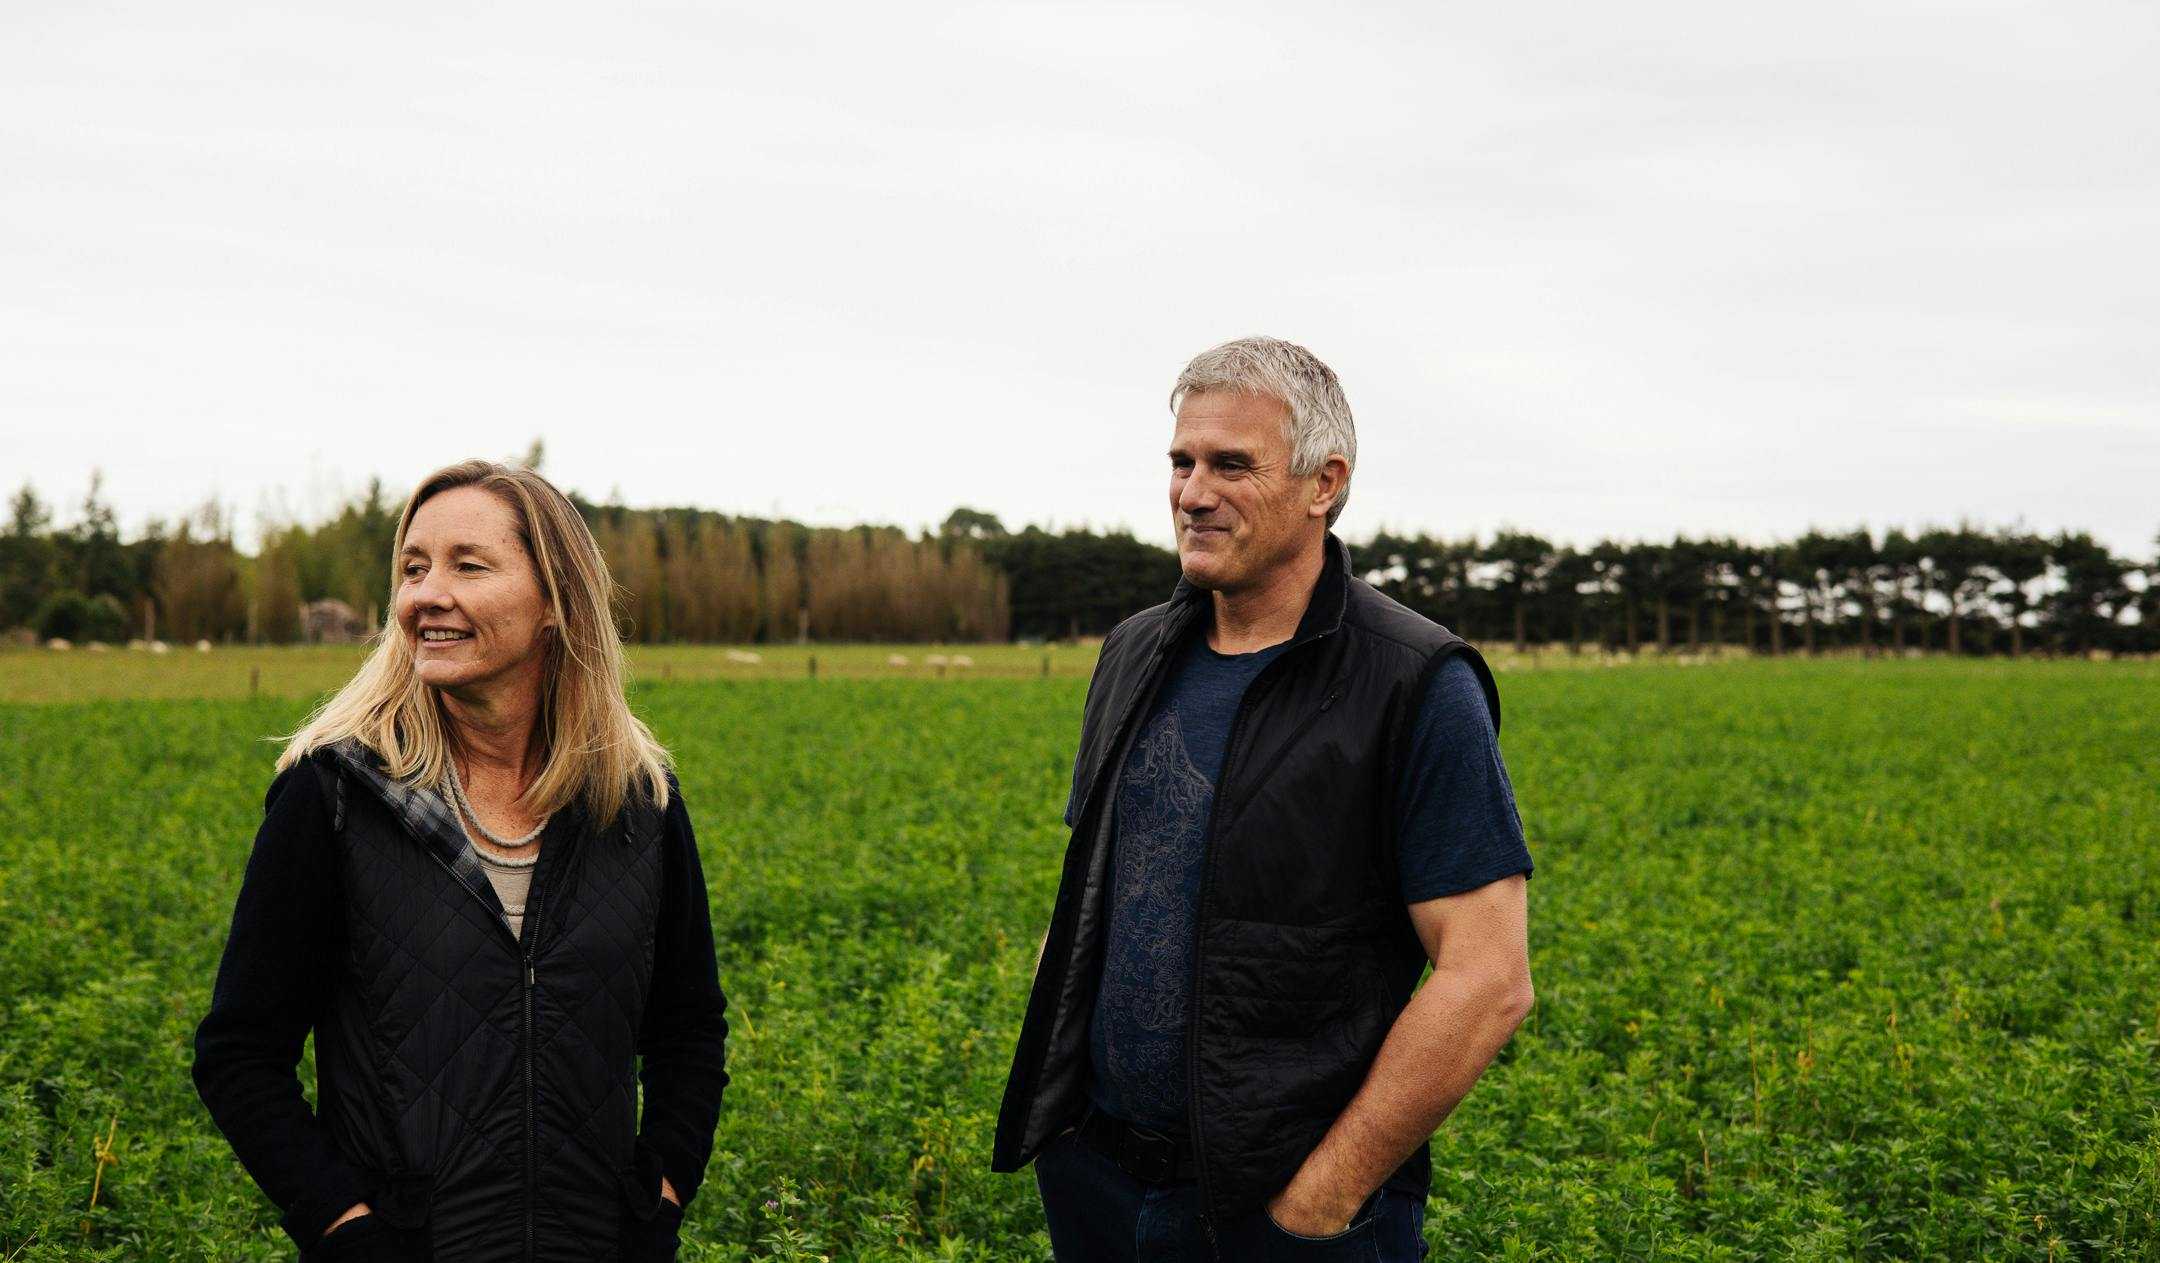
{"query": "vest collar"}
[(1323, 613), (425, 815), (433, 822)]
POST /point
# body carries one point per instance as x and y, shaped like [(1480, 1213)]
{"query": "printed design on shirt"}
[(1163, 802)]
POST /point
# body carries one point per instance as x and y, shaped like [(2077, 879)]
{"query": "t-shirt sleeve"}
[(1456, 824)]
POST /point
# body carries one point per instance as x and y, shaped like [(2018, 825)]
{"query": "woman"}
[(477, 884)]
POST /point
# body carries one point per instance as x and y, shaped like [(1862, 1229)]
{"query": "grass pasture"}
[(307, 671), (1835, 960)]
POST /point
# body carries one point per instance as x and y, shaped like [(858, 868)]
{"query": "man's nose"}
[(1197, 494)]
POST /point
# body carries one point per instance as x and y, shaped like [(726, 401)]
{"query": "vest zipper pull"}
[(528, 973)]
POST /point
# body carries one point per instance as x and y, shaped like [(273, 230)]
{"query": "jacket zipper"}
[(531, 1140), (532, 1136), (1192, 1003), (523, 945)]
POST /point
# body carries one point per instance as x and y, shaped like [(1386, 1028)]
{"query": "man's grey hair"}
[(1319, 416)]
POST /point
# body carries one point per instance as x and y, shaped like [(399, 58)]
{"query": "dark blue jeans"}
[(1099, 1214)]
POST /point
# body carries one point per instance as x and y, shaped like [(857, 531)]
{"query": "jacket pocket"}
[(1291, 983), (651, 1231), (395, 1229), (641, 1197), (1359, 1241), (405, 1201)]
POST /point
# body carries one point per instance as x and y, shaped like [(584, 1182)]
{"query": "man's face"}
[(1237, 509), (468, 600)]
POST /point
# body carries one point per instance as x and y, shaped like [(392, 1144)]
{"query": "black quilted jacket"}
[(479, 1092)]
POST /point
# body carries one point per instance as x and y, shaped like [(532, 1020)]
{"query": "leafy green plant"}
[(1834, 960)]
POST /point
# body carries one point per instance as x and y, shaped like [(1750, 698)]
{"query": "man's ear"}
[(1329, 482)]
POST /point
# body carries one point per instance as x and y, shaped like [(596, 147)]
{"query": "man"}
[(1288, 798)]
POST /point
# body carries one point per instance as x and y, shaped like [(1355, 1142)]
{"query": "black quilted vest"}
[(486, 1085), (1304, 952)]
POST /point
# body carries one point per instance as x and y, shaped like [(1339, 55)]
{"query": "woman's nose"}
[(429, 593)]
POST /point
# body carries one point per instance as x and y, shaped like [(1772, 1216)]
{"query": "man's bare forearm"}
[(1442, 1041)]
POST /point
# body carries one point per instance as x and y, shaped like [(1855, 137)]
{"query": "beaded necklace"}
[(457, 792)]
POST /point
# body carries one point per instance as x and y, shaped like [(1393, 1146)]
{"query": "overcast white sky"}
[(1588, 269)]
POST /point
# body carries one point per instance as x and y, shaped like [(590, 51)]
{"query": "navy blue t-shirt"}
[(1458, 830)]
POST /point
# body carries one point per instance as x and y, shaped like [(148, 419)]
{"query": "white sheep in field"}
[(896, 660), (202, 646), (962, 660), (743, 655), (59, 644)]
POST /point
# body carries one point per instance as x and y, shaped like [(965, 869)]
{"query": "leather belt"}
[(1146, 1155)]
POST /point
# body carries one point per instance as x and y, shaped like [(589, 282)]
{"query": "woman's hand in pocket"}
[(362, 1238), (655, 1239), (352, 1212)]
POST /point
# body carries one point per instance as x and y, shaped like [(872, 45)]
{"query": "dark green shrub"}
[(70, 615)]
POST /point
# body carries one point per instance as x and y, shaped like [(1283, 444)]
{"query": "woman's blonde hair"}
[(593, 749)]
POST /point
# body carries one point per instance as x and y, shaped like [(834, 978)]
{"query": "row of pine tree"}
[(699, 576)]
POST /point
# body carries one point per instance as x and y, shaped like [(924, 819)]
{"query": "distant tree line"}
[(1952, 590), (695, 575), (1068, 584), (684, 574)]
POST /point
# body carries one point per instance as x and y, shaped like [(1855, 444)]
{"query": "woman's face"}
[(468, 600)]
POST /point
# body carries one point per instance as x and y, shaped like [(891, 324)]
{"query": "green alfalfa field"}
[(1834, 959)]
